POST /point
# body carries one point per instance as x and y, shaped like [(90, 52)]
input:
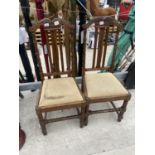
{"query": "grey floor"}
[(103, 135)]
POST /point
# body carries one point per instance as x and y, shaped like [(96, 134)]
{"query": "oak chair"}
[(59, 89), (102, 87)]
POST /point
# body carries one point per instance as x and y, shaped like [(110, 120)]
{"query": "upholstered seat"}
[(59, 92), (103, 85)]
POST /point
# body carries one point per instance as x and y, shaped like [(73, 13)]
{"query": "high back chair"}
[(102, 86), (59, 89)]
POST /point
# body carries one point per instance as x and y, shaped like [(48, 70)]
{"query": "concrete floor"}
[(103, 135)]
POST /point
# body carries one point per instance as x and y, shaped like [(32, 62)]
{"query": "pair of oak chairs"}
[(59, 89)]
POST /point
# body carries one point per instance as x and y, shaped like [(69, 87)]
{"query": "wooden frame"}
[(103, 26), (57, 69)]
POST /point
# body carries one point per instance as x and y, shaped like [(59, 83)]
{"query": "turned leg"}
[(122, 111), (42, 123), (86, 114), (82, 116)]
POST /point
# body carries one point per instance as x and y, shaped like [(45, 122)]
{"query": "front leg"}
[(122, 111)]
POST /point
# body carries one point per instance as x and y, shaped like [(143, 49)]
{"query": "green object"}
[(124, 41)]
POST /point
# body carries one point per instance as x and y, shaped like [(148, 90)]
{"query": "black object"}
[(25, 9), (114, 3), (26, 63), (82, 18), (130, 79)]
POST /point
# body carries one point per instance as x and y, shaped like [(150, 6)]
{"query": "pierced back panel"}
[(58, 56), (103, 29)]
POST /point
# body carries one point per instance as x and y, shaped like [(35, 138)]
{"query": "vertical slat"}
[(84, 54), (105, 45), (55, 51), (66, 43), (69, 56), (72, 20), (95, 45), (49, 51), (113, 28), (61, 51), (100, 47), (66, 34)]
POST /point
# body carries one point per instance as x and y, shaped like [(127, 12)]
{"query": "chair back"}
[(104, 28), (59, 53)]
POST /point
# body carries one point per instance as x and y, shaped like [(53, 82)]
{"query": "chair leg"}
[(86, 114), (42, 123), (82, 116), (123, 110)]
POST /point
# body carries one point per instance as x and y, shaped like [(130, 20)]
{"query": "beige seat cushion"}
[(59, 92), (104, 85)]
